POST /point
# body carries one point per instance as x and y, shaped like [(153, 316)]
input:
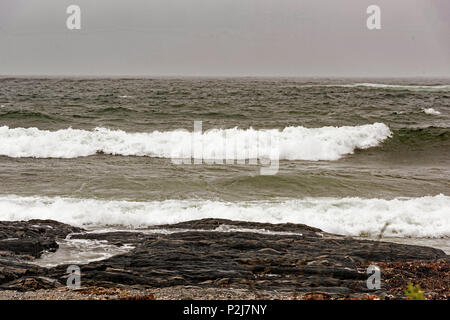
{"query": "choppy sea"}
[(355, 155)]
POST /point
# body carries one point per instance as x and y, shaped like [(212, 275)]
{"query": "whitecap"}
[(431, 111), (291, 143), (419, 217)]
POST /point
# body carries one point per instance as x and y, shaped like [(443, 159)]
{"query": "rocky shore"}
[(217, 259)]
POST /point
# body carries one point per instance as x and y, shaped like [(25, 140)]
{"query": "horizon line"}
[(142, 76)]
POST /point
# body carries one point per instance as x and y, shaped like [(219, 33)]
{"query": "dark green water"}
[(414, 162), (96, 152)]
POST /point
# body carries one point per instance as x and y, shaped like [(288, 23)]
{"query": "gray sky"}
[(225, 37)]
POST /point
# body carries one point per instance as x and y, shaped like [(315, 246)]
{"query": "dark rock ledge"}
[(292, 258)]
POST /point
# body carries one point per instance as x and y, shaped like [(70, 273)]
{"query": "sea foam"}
[(406, 217), (431, 88), (292, 143), (431, 111), (404, 87)]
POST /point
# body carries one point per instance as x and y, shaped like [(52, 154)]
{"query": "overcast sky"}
[(226, 38)]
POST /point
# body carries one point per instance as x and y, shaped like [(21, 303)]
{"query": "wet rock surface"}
[(33, 237), (23, 241), (211, 253)]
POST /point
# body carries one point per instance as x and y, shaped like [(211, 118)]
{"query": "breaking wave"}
[(436, 88), (291, 143), (406, 217), (431, 111)]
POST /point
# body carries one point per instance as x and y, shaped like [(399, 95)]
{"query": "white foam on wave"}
[(407, 217), (431, 111), (293, 143), (405, 87), (80, 251), (386, 86)]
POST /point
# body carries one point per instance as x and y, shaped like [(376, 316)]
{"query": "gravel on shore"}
[(169, 293)]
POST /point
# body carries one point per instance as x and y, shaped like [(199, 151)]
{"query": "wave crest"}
[(418, 88), (293, 143), (407, 217), (431, 111)]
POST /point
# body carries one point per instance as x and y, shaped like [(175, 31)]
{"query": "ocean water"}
[(356, 155)]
